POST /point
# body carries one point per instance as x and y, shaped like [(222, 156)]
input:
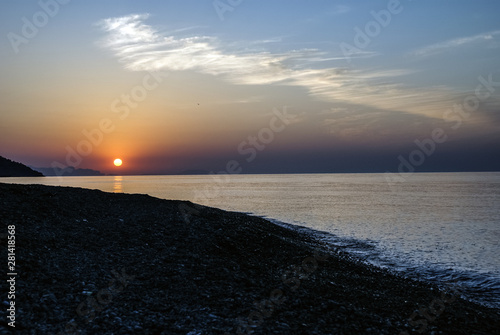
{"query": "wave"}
[(482, 288)]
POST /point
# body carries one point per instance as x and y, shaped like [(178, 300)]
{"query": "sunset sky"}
[(253, 86)]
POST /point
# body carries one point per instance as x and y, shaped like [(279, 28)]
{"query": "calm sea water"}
[(442, 227)]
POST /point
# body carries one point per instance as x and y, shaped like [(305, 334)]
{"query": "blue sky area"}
[(363, 85)]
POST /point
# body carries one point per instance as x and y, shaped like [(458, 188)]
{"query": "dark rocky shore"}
[(91, 262)]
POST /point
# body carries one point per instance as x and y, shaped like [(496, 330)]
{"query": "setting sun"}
[(118, 162)]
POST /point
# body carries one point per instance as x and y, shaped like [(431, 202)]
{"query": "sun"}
[(117, 162)]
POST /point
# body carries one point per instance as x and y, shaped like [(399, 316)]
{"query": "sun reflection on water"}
[(117, 185)]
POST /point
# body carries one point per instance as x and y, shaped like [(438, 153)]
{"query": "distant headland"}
[(67, 171)]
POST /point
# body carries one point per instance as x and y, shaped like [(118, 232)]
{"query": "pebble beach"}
[(90, 262)]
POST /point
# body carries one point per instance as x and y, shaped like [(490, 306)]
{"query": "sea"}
[(443, 228)]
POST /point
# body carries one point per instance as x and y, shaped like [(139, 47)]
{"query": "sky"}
[(240, 86)]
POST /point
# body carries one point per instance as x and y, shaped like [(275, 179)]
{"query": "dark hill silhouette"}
[(10, 168)]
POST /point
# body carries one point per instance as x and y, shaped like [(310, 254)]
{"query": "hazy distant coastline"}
[(68, 171)]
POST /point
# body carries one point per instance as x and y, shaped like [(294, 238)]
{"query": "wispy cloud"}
[(141, 47), (455, 43)]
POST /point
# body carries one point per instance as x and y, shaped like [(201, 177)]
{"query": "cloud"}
[(445, 46), (141, 47)]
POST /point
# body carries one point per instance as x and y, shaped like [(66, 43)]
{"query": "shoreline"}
[(467, 281), (127, 263)]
